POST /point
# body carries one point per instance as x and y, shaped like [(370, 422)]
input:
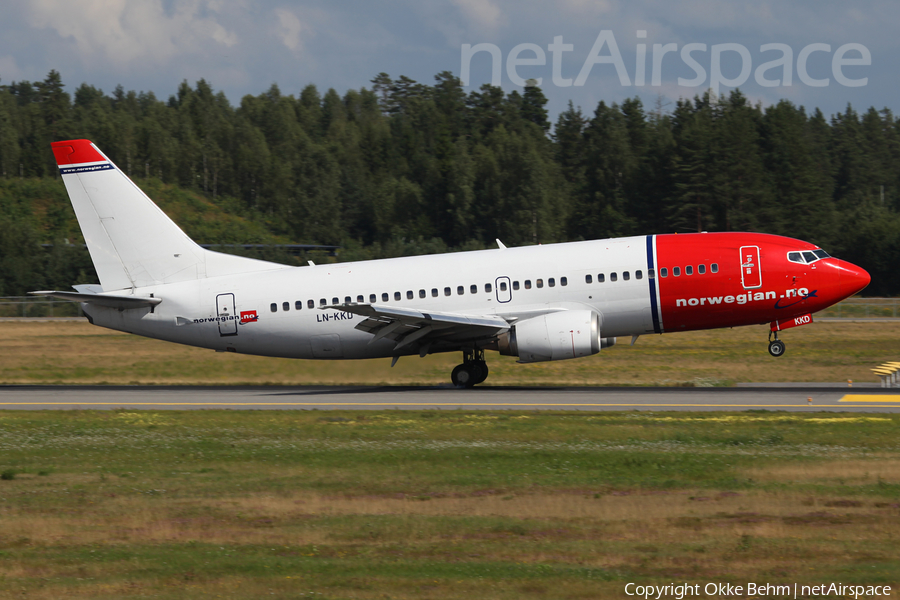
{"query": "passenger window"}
[(714, 267), (676, 271), (372, 298), (460, 290), (397, 296), (540, 283), (588, 279), (360, 299), (515, 285), (651, 273), (421, 293), (446, 291), (613, 277), (322, 301), (701, 269), (601, 278), (551, 282), (563, 281), (638, 275), (409, 295), (689, 270), (527, 284), (626, 275), (664, 272), (384, 297), (310, 304), (334, 300), (434, 293), (298, 305), (488, 288), (502, 286), (285, 306), (347, 299), (273, 307), (473, 289)]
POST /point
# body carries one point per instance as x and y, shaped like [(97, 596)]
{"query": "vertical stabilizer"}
[(131, 241)]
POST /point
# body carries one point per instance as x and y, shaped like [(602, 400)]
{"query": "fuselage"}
[(638, 285)]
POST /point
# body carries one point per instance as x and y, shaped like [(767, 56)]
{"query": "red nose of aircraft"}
[(851, 279)]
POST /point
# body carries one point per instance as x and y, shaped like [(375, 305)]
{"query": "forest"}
[(401, 167)]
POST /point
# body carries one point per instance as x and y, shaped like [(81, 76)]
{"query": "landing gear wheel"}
[(776, 348), (483, 371), (473, 370), (465, 375)]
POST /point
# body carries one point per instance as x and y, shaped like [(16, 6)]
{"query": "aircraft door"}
[(751, 270), (228, 324), (504, 290)]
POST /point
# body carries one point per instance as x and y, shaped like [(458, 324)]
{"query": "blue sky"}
[(834, 53)]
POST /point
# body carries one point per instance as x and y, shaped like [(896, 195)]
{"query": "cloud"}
[(122, 33), (588, 8), (291, 30), (482, 14)]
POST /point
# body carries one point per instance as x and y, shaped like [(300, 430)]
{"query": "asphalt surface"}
[(783, 397)]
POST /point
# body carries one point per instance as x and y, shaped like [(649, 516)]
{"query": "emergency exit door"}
[(751, 272), (228, 320)]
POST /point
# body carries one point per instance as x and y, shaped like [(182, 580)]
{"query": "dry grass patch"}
[(851, 472)]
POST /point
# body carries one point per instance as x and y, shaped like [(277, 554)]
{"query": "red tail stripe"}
[(74, 152)]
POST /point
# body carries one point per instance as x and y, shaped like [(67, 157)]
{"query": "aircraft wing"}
[(407, 326), (122, 302)]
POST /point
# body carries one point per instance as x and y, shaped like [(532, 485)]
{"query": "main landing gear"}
[(474, 369), (776, 346)]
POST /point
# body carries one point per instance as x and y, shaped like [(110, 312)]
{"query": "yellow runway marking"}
[(863, 398), (390, 404)]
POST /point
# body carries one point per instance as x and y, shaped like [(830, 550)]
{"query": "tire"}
[(776, 348), (483, 372), (463, 376)]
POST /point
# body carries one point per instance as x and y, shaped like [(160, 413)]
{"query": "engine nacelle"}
[(555, 336)]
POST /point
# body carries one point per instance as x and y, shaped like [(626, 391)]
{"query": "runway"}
[(796, 397)]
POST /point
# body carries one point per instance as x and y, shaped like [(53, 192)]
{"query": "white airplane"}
[(540, 303)]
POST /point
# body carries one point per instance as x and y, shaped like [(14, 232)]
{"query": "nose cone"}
[(851, 279)]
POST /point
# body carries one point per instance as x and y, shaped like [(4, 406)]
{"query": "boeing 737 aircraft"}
[(539, 303)]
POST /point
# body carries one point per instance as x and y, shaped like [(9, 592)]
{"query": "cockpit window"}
[(807, 256)]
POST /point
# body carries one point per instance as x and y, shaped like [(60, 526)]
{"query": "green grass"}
[(440, 504)]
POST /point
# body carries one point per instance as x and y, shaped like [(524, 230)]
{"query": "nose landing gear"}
[(776, 346), (472, 371)]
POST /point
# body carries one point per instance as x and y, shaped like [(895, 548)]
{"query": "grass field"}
[(440, 504), (79, 353)]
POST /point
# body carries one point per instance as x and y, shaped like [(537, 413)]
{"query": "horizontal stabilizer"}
[(120, 302)]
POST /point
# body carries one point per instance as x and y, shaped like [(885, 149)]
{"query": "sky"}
[(815, 53)]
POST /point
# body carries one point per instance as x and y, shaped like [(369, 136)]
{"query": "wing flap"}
[(407, 326)]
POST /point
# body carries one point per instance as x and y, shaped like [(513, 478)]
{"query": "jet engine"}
[(555, 336)]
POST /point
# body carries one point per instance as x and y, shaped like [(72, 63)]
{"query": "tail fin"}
[(131, 241)]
